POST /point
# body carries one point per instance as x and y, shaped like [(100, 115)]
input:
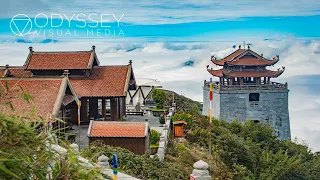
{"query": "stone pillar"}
[(103, 108), (93, 107), (200, 171)]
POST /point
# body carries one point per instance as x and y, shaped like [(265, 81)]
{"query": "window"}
[(256, 121), (254, 96)]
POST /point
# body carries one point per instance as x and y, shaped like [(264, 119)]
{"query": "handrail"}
[(271, 85)]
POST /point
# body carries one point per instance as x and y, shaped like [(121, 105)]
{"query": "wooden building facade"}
[(102, 90), (134, 136)]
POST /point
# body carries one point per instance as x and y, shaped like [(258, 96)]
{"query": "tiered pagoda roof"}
[(245, 63), (244, 57)]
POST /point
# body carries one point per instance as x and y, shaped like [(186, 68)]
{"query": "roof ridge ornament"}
[(31, 49), (130, 62), (213, 58), (93, 48)]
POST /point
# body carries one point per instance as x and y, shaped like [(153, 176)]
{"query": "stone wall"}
[(272, 107)]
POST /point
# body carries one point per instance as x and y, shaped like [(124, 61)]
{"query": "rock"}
[(201, 165), (181, 140), (103, 161), (75, 148)]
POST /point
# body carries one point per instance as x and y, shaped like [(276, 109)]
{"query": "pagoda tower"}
[(245, 91)]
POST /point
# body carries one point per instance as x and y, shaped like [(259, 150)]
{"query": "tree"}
[(159, 96)]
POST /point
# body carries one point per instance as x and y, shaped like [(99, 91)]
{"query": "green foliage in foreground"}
[(243, 151), (25, 153), (142, 167)]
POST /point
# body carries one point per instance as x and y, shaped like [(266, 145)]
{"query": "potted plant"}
[(154, 148), (154, 141)]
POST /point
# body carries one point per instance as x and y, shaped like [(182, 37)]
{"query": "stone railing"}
[(271, 86), (164, 138), (102, 165)]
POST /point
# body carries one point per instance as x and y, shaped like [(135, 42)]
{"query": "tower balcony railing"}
[(247, 86)]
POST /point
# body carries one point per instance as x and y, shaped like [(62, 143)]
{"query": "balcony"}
[(247, 86)]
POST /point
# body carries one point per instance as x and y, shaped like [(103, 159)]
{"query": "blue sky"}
[(172, 41)]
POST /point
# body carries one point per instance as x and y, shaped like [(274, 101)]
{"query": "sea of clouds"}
[(181, 67)]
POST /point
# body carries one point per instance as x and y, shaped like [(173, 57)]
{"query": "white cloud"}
[(166, 62)]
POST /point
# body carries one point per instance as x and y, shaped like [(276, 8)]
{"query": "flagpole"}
[(210, 121), (79, 107)]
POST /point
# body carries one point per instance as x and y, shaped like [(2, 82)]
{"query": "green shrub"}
[(155, 136), (159, 96), (142, 167)]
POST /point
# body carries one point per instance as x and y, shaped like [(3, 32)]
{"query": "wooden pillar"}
[(264, 80), (114, 109), (268, 80), (93, 107), (122, 106), (103, 108), (241, 81), (84, 110)]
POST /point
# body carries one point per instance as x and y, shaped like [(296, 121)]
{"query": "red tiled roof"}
[(253, 73), (19, 72), (104, 81), (217, 73), (234, 54), (239, 58), (117, 129), (59, 60), (265, 73), (44, 93), (252, 62), (2, 71)]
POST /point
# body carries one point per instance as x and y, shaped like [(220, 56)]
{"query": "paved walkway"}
[(153, 121), (84, 140)]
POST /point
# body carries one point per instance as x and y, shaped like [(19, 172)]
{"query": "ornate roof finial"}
[(7, 66), (248, 46), (93, 47), (240, 46), (130, 61), (207, 66), (31, 49), (261, 55)]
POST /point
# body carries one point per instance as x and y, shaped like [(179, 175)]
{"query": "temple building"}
[(244, 91), (140, 99), (57, 80)]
